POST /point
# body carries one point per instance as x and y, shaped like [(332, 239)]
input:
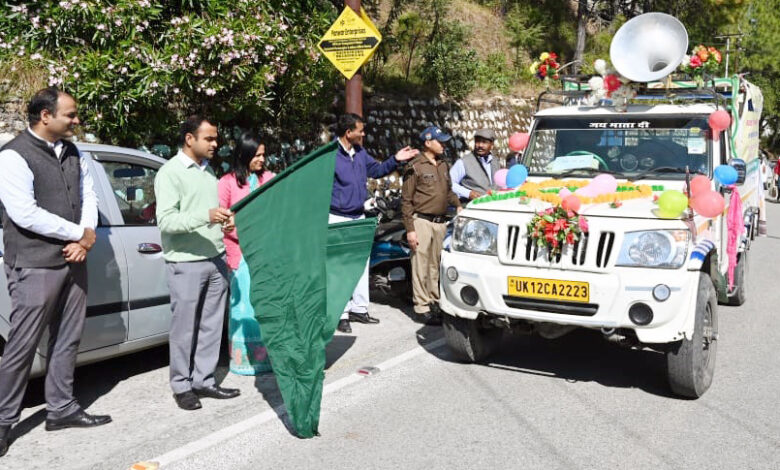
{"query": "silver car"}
[(128, 304)]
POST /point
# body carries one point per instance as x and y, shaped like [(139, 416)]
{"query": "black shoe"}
[(344, 326), (429, 318), (5, 436), (215, 391), (187, 400), (362, 317), (79, 419)]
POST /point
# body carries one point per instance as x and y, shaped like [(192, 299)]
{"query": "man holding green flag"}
[(303, 272)]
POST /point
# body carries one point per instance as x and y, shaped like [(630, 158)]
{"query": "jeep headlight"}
[(654, 249), (474, 236)]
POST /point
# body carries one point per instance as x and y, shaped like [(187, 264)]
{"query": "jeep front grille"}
[(521, 249), (604, 249)]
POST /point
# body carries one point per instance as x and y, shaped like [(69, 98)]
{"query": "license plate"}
[(550, 289)]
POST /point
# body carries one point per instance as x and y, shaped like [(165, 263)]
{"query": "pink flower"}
[(695, 61), (583, 223)]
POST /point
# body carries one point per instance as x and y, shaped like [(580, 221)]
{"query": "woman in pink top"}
[(248, 355)]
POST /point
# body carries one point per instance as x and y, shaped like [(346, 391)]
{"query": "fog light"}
[(452, 274), (661, 292), (469, 295), (640, 314)]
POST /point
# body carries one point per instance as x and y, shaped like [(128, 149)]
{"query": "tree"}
[(761, 59), (410, 31)]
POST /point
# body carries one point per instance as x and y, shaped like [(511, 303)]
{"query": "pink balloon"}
[(564, 192), (499, 178), (719, 120), (571, 203), (518, 141), (709, 204), (586, 191), (604, 184), (699, 184)]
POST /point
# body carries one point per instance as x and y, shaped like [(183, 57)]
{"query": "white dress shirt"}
[(18, 197)]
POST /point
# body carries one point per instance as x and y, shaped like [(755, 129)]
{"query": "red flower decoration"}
[(695, 61), (611, 83)]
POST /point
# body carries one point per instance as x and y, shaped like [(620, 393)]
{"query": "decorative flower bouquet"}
[(546, 67), (702, 60), (556, 227)]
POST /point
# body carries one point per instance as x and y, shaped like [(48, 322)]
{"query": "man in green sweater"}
[(191, 222)]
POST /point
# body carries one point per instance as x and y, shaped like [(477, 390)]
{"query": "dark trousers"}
[(55, 298), (198, 303)]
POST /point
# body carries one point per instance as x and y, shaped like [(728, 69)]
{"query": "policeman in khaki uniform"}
[(426, 193)]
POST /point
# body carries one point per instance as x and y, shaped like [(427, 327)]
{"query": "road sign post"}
[(348, 44)]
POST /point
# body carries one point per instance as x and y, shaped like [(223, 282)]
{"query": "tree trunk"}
[(582, 19)]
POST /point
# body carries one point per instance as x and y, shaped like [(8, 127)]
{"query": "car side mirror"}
[(741, 167)]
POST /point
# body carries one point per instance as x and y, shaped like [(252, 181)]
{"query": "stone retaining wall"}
[(392, 122)]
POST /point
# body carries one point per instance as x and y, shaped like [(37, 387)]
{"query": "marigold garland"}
[(547, 191)]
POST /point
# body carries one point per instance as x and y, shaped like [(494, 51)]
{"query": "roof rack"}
[(672, 91)]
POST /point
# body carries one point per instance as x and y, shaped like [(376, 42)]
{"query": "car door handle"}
[(149, 248)]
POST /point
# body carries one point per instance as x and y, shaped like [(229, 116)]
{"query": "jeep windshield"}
[(630, 147)]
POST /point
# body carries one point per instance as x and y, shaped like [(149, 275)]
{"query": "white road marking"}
[(224, 434)]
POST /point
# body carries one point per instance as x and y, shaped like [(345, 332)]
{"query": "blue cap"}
[(434, 132)]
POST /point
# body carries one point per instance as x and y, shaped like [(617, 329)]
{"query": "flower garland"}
[(548, 190), (555, 228), (546, 66)]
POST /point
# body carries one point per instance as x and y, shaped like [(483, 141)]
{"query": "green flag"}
[(303, 272)]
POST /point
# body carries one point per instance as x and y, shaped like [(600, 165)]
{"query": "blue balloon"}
[(516, 176), (725, 174)]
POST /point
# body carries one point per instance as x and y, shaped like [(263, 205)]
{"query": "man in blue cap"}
[(426, 194)]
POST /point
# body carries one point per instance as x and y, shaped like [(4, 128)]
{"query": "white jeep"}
[(641, 279)]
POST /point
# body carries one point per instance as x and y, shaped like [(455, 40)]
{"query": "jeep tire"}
[(468, 340), (691, 366), (739, 295)]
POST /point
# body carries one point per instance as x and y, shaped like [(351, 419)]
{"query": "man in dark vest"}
[(49, 219), (472, 175)]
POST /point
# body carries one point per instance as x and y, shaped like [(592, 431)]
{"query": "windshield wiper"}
[(589, 170), (659, 170)]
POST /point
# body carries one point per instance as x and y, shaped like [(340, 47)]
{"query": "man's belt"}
[(436, 219)]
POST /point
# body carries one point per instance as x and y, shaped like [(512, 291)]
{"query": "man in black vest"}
[(472, 175), (49, 219)]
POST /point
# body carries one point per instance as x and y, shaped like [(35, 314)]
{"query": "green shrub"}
[(447, 63), (495, 73), (138, 66)]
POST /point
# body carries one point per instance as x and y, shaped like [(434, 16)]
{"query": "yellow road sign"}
[(350, 41)]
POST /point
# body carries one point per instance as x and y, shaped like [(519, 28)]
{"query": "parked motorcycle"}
[(390, 269)]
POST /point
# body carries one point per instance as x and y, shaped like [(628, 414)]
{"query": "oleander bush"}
[(138, 66)]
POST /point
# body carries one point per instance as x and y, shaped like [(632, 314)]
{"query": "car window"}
[(133, 188)]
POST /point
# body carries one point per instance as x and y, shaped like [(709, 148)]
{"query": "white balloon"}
[(596, 83), (601, 66)]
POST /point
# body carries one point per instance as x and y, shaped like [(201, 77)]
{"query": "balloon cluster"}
[(511, 178), (704, 200)]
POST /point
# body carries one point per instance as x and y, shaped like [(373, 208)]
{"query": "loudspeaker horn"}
[(649, 47)]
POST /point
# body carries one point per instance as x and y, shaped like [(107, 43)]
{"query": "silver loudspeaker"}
[(649, 47)]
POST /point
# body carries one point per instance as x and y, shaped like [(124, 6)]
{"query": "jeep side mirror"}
[(741, 167)]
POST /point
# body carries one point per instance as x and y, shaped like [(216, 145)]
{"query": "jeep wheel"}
[(739, 295), (691, 366), (468, 340)]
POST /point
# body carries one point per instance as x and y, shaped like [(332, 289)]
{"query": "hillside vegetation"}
[(138, 66)]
